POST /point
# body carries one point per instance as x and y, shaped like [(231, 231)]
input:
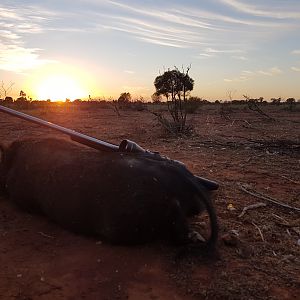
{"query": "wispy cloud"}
[(270, 72), (296, 69), (15, 24), (8, 13), (236, 79), (19, 59), (247, 75), (183, 26), (284, 10), (239, 57), (224, 20), (151, 27), (151, 36), (165, 16), (177, 25), (296, 52), (212, 52), (129, 72), (204, 55)]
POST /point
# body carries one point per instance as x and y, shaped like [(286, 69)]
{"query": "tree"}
[(8, 100), (276, 101), (291, 103), (290, 100), (156, 98), (175, 86), (124, 98), (22, 97), (5, 88)]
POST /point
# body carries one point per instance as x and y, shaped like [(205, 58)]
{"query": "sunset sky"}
[(71, 48)]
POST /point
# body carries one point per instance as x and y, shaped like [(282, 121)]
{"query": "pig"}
[(120, 197)]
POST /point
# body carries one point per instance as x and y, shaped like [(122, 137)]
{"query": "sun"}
[(60, 87), (59, 81)]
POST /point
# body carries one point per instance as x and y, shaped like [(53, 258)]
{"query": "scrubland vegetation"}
[(251, 147)]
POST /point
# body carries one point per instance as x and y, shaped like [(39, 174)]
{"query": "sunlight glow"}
[(60, 87), (59, 82)]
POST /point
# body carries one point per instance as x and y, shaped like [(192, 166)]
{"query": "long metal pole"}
[(76, 136)]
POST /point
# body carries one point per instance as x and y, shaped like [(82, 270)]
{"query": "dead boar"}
[(124, 198)]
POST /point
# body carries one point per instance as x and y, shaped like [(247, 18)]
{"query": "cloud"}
[(247, 75), (212, 52), (164, 16), (16, 24), (291, 10), (236, 79), (239, 57), (270, 72), (296, 69), (224, 21), (172, 27), (166, 33), (296, 52), (248, 72), (151, 36), (275, 71), (264, 73), (129, 72), (7, 13), (162, 43), (178, 25), (205, 55), (19, 59), (8, 35)]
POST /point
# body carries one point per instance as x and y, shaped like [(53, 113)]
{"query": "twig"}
[(247, 122), (253, 206), (249, 159), (293, 226), (286, 224), (278, 217), (267, 198), (46, 235), (168, 125), (291, 180), (261, 235), (296, 230)]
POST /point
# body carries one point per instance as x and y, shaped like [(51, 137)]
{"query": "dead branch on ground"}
[(46, 235), (266, 197), (291, 180), (259, 230), (253, 206)]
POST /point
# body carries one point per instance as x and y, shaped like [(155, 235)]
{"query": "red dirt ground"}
[(258, 253)]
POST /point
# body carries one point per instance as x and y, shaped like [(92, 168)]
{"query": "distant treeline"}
[(25, 103)]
